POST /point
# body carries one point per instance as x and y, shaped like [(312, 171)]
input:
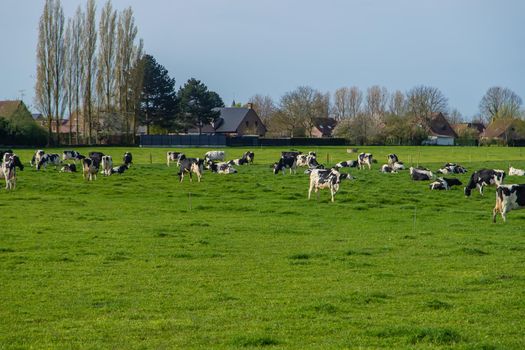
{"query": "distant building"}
[(469, 129), (504, 130), (234, 122), (440, 132), (323, 127), (15, 110)]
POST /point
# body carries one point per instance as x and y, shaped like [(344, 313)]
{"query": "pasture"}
[(141, 261)]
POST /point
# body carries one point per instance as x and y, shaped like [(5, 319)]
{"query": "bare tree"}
[(341, 107), (397, 105), (58, 66), (75, 59), (500, 102), (89, 42), (425, 100), (355, 101), (264, 107), (69, 74), (106, 60), (376, 101), (454, 117)]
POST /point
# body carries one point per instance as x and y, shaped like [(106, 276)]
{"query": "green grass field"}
[(141, 261)]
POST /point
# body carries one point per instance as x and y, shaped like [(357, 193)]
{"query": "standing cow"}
[(107, 164), (326, 178), (364, 159), (484, 177), (508, 197), (172, 157)]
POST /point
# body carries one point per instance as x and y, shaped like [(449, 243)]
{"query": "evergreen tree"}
[(158, 103), (197, 104)]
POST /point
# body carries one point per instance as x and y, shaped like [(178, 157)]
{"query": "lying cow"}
[(66, 155), (285, 162), (248, 157), (387, 168), (69, 168), (119, 169), (172, 157), (52, 159), (326, 178), (508, 197), (221, 168), (443, 183), (398, 166), (452, 168), (36, 157), (190, 165), (484, 177), (89, 169), (127, 159), (107, 164), (516, 172), (418, 174), (392, 158), (346, 164), (365, 159), (239, 161), (214, 155)]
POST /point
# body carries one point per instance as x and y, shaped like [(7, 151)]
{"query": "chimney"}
[(250, 105)]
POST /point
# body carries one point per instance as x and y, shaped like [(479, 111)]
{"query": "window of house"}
[(246, 123), (256, 124)]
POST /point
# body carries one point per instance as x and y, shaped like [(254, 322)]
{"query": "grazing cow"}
[(239, 161), (248, 157), (326, 178), (392, 158), (36, 157), (221, 168), (365, 159), (290, 153), (69, 168), (386, 168), (96, 157), (172, 157), (346, 164), (420, 174), (508, 197), (484, 177), (190, 165), (89, 169), (516, 172), (9, 171), (66, 155), (119, 169), (214, 155), (53, 159), (128, 159), (107, 164), (285, 162), (452, 168), (443, 183)]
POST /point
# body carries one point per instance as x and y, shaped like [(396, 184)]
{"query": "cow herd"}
[(508, 197)]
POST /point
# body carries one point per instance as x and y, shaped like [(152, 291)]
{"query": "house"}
[(15, 111), (440, 132), (469, 129), (504, 130), (235, 121), (323, 127)]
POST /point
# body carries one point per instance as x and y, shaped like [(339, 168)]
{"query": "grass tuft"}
[(438, 336), (438, 305), (254, 341), (473, 251)]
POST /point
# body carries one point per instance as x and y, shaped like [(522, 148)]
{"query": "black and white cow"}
[(452, 168), (392, 158), (127, 159), (90, 169), (508, 197), (172, 157), (398, 166), (66, 155), (365, 159), (443, 183), (221, 168), (346, 164), (8, 170), (119, 169), (106, 164), (69, 168), (190, 165), (36, 157), (387, 168), (290, 153), (239, 161), (516, 172), (484, 177), (420, 174), (96, 157), (7, 155), (326, 178), (248, 157), (214, 155), (3, 152), (285, 162), (52, 159)]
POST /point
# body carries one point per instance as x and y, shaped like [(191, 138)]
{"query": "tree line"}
[(376, 115)]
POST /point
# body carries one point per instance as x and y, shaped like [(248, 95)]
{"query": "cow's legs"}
[(480, 189)]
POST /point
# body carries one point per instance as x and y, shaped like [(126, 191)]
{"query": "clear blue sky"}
[(242, 47)]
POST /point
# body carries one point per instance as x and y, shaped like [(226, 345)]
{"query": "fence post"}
[(150, 159)]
